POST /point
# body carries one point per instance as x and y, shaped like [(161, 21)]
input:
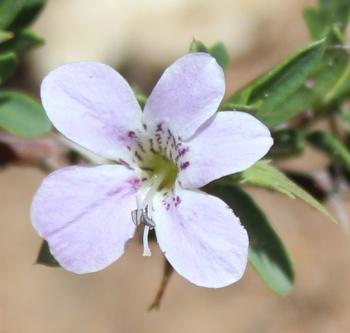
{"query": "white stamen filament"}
[(146, 249), (146, 202)]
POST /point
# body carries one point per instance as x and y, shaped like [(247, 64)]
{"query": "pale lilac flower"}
[(178, 144)]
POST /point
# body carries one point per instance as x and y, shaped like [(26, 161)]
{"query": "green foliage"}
[(329, 20), (287, 142), (330, 145), (198, 46), (267, 254), (8, 61), (28, 13), (9, 9), (17, 15), (45, 257), (5, 36), (24, 40), (218, 51), (21, 115), (272, 93), (263, 174)]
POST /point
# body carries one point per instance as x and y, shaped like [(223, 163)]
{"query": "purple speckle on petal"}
[(140, 145), (126, 164), (159, 127), (177, 201), (131, 134), (181, 153), (134, 182), (138, 156), (184, 165)]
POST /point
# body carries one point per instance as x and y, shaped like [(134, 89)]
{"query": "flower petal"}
[(91, 104), (187, 94), (201, 238), (85, 215), (231, 142)]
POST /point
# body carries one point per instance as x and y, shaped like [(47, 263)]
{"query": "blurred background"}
[(141, 38)]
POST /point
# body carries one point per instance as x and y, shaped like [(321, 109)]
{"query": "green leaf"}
[(331, 146), (45, 257), (24, 40), (322, 86), (330, 20), (220, 53), (271, 93), (316, 27), (341, 86), (327, 83), (8, 11), (8, 61), (267, 254), (286, 142), (263, 174), (28, 13), (5, 36), (197, 46), (22, 115)]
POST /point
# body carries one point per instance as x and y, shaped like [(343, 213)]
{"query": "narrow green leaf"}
[(263, 174), (330, 145), (22, 115), (341, 87), (277, 88), (267, 254), (303, 59), (317, 91), (45, 257), (316, 27), (220, 53), (8, 11), (286, 142), (23, 40), (8, 61), (331, 18), (28, 13), (328, 82), (238, 107)]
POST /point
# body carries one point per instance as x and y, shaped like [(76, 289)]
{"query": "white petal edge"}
[(187, 94), (84, 213), (92, 104), (201, 238), (231, 142)]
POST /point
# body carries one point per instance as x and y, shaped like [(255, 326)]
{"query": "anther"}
[(140, 216)]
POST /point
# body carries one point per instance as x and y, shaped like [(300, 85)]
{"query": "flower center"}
[(159, 173), (156, 166)]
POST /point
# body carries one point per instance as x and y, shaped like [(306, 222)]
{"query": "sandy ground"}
[(38, 299)]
